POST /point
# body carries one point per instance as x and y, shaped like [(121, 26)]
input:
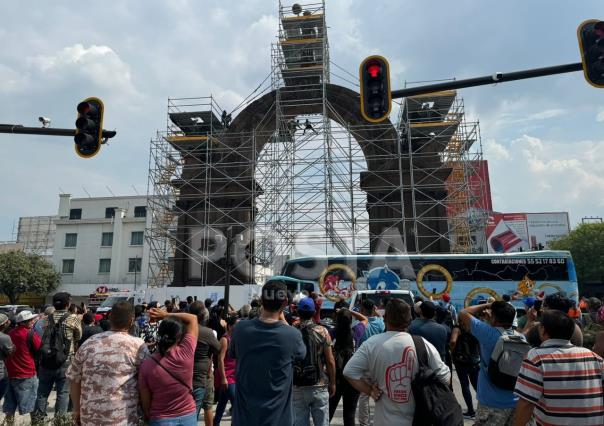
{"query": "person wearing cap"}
[(426, 327), (312, 400), (529, 302), (55, 377), (6, 349), (20, 365), (446, 303)]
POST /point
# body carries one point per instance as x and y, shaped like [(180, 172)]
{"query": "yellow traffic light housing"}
[(590, 34), (376, 96), (89, 127)]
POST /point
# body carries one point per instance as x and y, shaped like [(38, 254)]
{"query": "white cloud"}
[(496, 151), (565, 176), (99, 64), (600, 116), (547, 114)]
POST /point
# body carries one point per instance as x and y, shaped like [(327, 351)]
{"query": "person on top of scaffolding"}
[(225, 119), (293, 126), (308, 126)]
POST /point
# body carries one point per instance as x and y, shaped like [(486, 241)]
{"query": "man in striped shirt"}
[(559, 383)]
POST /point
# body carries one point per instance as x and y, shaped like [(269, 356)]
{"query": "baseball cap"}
[(24, 316), (446, 297), (3, 319), (306, 305)]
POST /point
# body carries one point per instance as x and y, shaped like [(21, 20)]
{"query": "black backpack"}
[(308, 371), (55, 347), (467, 350), (444, 316), (435, 403)]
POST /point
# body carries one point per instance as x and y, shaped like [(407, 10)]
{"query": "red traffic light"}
[(374, 80), (374, 69)]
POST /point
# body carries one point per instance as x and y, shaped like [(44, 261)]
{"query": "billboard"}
[(512, 232)]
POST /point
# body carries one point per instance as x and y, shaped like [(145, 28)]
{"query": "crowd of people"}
[(277, 362)]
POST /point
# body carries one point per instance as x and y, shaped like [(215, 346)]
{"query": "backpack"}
[(55, 347), (506, 360), (589, 334), (308, 371), (435, 403), (444, 316), (467, 350)]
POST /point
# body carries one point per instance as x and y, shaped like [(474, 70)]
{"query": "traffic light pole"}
[(19, 129), (488, 79)]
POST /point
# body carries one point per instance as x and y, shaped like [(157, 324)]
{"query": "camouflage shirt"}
[(107, 366)]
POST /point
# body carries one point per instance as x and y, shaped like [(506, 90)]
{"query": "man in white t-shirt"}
[(389, 361)]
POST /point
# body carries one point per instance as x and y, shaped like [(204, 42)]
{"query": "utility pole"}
[(227, 271)]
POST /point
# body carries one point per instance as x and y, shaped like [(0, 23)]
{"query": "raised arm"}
[(189, 320), (465, 316), (360, 317)]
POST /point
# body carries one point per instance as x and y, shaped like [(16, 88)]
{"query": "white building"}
[(100, 242)]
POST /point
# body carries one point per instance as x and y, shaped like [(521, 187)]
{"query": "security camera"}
[(45, 121), (497, 76)]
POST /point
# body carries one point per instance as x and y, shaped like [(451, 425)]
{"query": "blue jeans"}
[(223, 397), (186, 420), (3, 386), (21, 394), (467, 374), (198, 394), (49, 378), (311, 401)]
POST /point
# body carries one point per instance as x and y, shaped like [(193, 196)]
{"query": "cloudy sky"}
[(543, 137)]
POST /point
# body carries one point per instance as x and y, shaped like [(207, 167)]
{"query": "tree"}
[(21, 272), (586, 245)]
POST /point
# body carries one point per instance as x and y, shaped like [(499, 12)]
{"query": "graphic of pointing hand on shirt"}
[(399, 376)]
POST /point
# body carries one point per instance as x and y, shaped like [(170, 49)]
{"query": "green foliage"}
[(586, 244), (21, 272)]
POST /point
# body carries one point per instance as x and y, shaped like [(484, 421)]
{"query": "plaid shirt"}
[(72, 328)]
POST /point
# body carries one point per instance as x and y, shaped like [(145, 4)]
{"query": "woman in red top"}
[(227, 381), (165, 380)]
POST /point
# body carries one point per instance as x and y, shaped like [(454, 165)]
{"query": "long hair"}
[(344, 340), (169, 333)]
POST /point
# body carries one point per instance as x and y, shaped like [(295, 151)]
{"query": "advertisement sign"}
[(546, 227), (512, 232), (507, 232)]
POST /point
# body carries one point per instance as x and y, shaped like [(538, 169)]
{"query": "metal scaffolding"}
[(298, 172), (443, 152)]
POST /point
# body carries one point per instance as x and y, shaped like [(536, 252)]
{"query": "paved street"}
[(337, 420)]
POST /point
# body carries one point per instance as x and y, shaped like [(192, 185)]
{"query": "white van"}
[(378, 297)]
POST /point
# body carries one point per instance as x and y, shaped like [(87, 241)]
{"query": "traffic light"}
[(591, 42), (376, 99), (89, 127)]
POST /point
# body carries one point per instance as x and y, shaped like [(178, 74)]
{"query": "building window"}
[(75, 214), (110, 212), (136, 239), (107, 239), (140, 211), (134, 264), (71, 240), (104, 266), (68, 266)]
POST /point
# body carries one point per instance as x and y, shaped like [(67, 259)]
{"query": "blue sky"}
[(543, 137)]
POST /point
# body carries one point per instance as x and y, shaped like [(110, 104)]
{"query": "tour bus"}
[(467, 278)]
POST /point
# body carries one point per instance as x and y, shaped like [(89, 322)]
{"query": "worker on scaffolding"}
[(225, 119), (293, 126), (308, 126)]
